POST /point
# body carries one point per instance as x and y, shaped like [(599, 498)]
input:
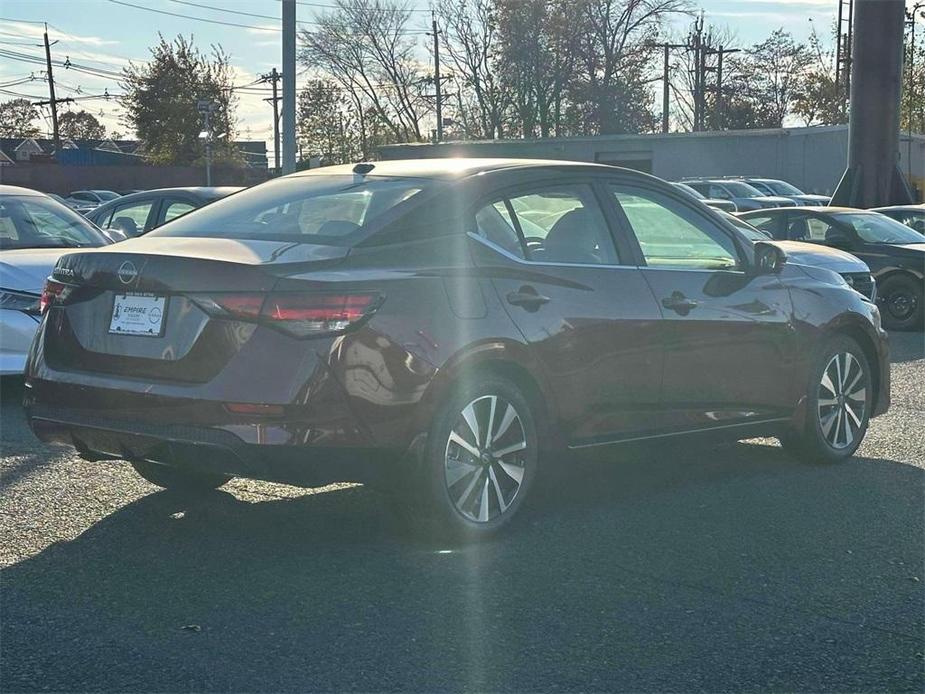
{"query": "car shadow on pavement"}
[(685, 569)]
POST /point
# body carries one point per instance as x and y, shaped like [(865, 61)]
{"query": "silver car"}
[(34, 232)]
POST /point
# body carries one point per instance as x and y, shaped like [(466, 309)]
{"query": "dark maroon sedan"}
[(435, 326)]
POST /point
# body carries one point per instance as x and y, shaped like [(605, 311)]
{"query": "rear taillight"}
[(299, 314), (50, 293)]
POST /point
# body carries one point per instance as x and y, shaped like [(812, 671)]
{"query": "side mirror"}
[(769, 258)]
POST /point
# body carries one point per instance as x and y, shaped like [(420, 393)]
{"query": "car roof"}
[(18, 190), (202, 192), (823, 210), (900, 208), (450, 167)]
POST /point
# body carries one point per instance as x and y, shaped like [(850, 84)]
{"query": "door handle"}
[(528, 298), (679, 303)]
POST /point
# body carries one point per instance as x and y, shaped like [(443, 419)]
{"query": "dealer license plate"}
[(138, 314)]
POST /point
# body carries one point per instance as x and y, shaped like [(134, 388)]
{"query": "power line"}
[(374, 9), (226, 23), (198, 19), (22, 21)]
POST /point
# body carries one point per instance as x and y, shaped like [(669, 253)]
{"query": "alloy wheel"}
[(842, 400), (485, 458)]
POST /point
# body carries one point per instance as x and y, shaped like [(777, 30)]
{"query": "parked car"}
[(434, 326), (776, 187), (913, 216), (851, 268), (724, 205), (744, 196), (894, 252), (34, 232), (86, 200), (138, 213)]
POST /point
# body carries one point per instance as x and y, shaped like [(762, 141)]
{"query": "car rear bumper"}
[(212, 450)]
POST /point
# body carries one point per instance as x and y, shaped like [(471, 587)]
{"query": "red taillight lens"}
[(51, 291), (245, 306), (315, 314), (300, 314)]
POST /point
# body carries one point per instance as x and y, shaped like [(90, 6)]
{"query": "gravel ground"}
[(678, 569)]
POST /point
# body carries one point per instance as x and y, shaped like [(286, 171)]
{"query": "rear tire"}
[(179, 479), (480, 460), (839, 400), (901, 304)]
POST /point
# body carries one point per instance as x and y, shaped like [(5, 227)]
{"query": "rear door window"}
[(171, 208), (816, 229), (493, 222), (131, 218), (552, 224)]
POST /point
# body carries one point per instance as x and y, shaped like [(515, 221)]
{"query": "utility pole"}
[(274, 77), (696, 44), (52, 101), (666, 80), (438, 93), (720, 97), (289, 146), (665, 90)]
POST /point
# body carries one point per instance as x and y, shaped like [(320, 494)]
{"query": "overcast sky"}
[(105, 34)]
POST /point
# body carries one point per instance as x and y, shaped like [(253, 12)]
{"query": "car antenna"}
[(363, 168)]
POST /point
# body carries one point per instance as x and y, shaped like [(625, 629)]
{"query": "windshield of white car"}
[(783, 188), (873, 227), (743, 190), (39, 222)]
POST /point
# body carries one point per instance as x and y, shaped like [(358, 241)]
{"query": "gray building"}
[(812, 159)]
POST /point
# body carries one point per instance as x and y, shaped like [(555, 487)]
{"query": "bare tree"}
[(469, 34), (366, 47), (779, 63), (618, 44)]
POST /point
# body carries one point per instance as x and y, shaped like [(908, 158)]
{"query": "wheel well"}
[(867, 346), (894, 274), (519, 376)]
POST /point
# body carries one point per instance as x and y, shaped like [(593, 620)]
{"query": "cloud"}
[(55, 34), (263, 29)]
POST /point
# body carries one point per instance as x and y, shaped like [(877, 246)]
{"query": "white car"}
[(34, 232)]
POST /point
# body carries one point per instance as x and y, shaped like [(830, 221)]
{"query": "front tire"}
[(839, 400), (480, 460), (179, 479), (900, 299)]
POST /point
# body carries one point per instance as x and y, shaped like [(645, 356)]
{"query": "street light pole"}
[(206, 108)]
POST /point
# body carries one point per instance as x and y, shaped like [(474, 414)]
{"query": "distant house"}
[(102, 152)]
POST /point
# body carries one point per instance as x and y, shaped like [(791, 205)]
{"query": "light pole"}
[(206, 108)]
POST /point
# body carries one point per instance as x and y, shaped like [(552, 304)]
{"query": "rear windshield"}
[(40, 222), (331, 210)]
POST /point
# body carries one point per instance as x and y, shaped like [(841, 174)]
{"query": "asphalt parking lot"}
[(673, 569)]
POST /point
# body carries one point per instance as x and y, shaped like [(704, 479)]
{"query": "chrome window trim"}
[(537, 263)]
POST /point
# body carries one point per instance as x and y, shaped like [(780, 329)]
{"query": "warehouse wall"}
[(811, 158)]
